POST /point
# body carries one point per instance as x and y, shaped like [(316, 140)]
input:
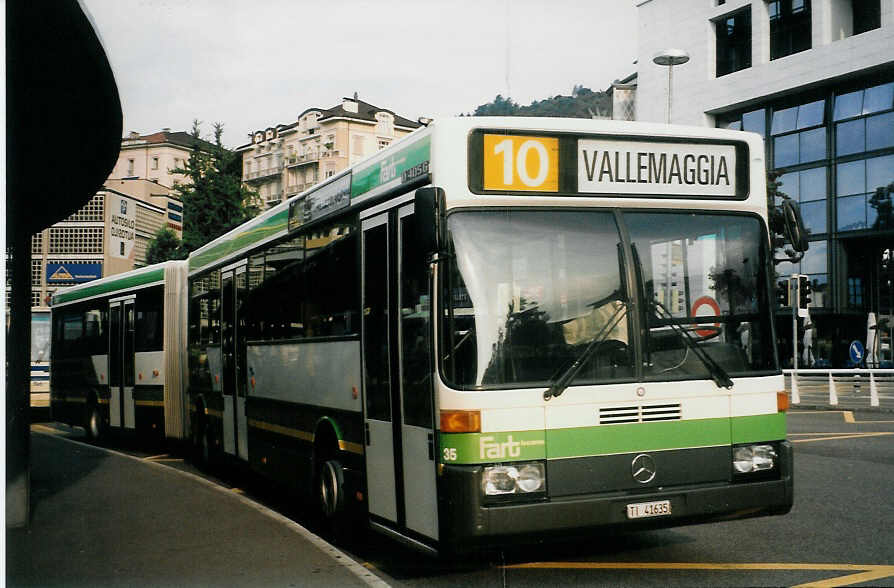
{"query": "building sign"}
[(673, 169), (72, 273), (120, 226)]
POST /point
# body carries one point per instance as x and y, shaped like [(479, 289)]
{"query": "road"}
[(837, 534)]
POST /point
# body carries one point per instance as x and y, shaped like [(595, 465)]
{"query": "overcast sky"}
[(253, 63)]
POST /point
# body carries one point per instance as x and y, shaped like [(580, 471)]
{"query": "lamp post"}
[(670, 58)]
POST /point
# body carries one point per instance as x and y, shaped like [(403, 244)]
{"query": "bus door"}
[(121, 362), (233, 286), (400, 460)]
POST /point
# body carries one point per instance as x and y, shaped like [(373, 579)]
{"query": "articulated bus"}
[(118, 349), (505, 329)]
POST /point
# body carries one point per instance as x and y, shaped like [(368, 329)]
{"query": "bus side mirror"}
[(431, 226), (793, 226)]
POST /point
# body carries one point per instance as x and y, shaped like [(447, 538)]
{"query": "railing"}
[(301, 159), (263, 173), (834, 386)]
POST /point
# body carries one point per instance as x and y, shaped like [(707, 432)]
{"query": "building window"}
[(130, 167), (76, 240), (814, 264), (864, 190), (93, 211), (808, 187), (789, 27), (755, 121), (359, 145), (154, 163), (798, 134), (733, 33), (867, 15), (864, 120), (855, 293), (36, 272)]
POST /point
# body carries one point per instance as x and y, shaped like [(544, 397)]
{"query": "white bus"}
[(505, 329)]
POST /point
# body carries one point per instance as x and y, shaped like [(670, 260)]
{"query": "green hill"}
[(583, 103)]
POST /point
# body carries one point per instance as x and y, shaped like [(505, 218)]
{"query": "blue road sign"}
[(856, 351)]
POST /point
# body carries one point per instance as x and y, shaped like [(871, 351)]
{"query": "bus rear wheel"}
[(93, 422), (331, 489)]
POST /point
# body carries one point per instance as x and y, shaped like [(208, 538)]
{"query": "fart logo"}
[(491, 449)]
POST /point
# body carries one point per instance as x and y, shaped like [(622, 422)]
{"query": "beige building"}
[(284, 160), (110, 234), (154, 157)]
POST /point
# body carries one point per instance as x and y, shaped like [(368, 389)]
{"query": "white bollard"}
[(796, 398), (873, 390), (833, 394)]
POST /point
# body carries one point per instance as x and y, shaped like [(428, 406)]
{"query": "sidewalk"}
[(850, 392), (104, 519)]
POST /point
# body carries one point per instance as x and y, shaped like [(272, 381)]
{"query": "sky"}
[(251, 64)]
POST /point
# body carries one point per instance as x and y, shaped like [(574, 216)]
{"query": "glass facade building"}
[(833, 151)]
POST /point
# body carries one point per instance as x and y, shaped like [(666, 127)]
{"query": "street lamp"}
[(670, 58)]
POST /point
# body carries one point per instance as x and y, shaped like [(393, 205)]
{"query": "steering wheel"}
[(701, 333)]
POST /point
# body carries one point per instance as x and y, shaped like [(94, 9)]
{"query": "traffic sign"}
[(856, 352)]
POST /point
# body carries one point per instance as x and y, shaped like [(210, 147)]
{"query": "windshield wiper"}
[(562, 383), (718, 374)]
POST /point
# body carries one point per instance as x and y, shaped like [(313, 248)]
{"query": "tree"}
[(214, 200), (164, 246), (583, 103)]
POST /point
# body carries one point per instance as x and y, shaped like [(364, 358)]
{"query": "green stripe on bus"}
[(762, 427), (491, 447), (470, 448), (227, 245), (390, 168), (608, 439), (124, 283)]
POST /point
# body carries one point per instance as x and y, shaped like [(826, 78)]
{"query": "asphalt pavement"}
[(101, 518)]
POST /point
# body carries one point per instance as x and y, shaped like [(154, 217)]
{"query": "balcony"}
[(297, 160), (262, 174)]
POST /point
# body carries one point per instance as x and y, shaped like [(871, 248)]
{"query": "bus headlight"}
[(753, 458), (525, 478)]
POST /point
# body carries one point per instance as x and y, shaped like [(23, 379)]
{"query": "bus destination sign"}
[(672, 169)]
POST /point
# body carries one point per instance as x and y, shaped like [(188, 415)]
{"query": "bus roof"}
[(139, 278), (406, 163)]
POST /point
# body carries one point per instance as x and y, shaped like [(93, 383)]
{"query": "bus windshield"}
[(531, 292)]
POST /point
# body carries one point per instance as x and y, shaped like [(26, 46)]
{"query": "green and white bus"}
[(118, 353), (505, 329)]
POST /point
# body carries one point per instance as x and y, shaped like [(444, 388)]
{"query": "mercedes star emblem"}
[(643, 468)]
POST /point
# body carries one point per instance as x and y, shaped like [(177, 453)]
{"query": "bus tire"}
[(93, 422), (331, 490)]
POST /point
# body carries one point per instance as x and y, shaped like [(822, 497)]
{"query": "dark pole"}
[(18, 366), (59, 84)]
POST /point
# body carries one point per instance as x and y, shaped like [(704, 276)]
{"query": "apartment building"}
[(110, 234), (286, 159), (815, 78)]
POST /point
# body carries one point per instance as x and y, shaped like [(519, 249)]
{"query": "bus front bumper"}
[(467, 522)]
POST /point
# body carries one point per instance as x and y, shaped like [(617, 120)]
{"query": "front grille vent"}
[(639, 414)]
